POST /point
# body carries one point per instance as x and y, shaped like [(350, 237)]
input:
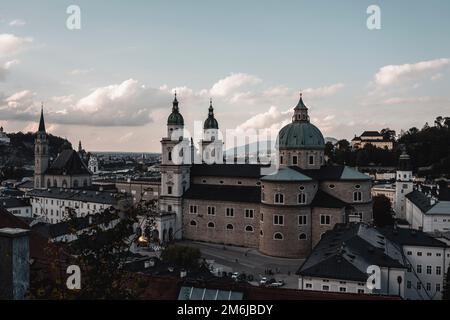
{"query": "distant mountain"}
[(331, 139)]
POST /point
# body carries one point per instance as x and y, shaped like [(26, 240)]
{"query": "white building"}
[(93, 165), (403, 185), (16, 206), (387, 190), (54, 204), (427, 213), (412, 263)]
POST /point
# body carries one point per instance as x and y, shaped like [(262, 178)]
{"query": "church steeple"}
[(175, 117), (300, 111), (211, 122), (41, 121)]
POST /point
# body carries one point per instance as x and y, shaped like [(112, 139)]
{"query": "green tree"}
[(182, 256), (382, 211)]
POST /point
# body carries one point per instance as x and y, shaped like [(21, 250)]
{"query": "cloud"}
[(11, 44), (393, 74), (323, 91), (4, 69), (77, 72), (413, 100), (17, 23), (233, 82)]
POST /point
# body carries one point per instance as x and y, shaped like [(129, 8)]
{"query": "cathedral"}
[(282, 214), (66, 171)]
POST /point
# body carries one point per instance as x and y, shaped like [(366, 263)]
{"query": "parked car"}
[(235, 275), (263, 281), (276, 284)]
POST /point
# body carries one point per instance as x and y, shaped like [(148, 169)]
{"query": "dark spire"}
[(211, 109), (211, 122), (41, 121), (80, 148), (175, 103)]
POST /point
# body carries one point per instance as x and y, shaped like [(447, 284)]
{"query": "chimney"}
[(14, 263)]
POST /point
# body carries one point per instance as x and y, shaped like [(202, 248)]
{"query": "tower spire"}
[(175, 102), (41, 121)]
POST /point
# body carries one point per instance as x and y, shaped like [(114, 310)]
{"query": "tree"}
[(382, 211), (446, 289), (182, 256), (388, 134), (329, 148)]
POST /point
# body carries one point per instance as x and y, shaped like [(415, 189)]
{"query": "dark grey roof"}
[(325, 200), (227, 170), (333, 173), (77, 224), (371, 134), (77, 195), (410, 237), (41, 122), (346, 252), (68, 163), (224, 193), (420, 200), (10, 202)]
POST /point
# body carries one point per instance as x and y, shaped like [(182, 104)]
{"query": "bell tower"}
[(175, 176), (403, 184), (212, 146), (41, 157)]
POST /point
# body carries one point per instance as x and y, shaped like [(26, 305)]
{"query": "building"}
[(403, 185), (53, 205), (143, 189), (283, 214), (374, 138), (4, 139), (17, 206), (427, 212), (412, 264), (93, 165), (67, 171), (387, 190)]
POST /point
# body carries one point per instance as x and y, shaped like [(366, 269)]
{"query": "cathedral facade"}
[(282, 214)]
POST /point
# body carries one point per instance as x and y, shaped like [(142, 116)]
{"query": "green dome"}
[(300, 135), (211, 122), (175, 118)]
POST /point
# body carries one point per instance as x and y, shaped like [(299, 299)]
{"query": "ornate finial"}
[(210, 102), (175, 94), (301, 94)]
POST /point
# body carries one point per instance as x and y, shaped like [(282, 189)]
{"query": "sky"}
[(110, 83)]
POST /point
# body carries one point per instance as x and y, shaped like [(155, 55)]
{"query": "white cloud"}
[(266, 120), (413, 100), (17, 23), (11, 44), (437, 76), (393, 74), (77, 72), (323, 91), (4, 69), (233, 82)]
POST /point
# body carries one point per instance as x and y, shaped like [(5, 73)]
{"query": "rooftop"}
[(224, 193), (77, 195)]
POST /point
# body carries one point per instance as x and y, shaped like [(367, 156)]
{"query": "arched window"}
[(261, 233), (279, 198), (75, 184), (55, 183), (169, 156), (249, 229), (294, 160), (311, 160), (193, 223), (302, 236), (302, 198), (85, 183), (278, 236), (64, 184), (49, 184), (230, 226), (211, 225)]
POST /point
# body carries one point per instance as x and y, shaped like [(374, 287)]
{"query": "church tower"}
[(175, 176), (41, 157), (212, 146), (403, 184)]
